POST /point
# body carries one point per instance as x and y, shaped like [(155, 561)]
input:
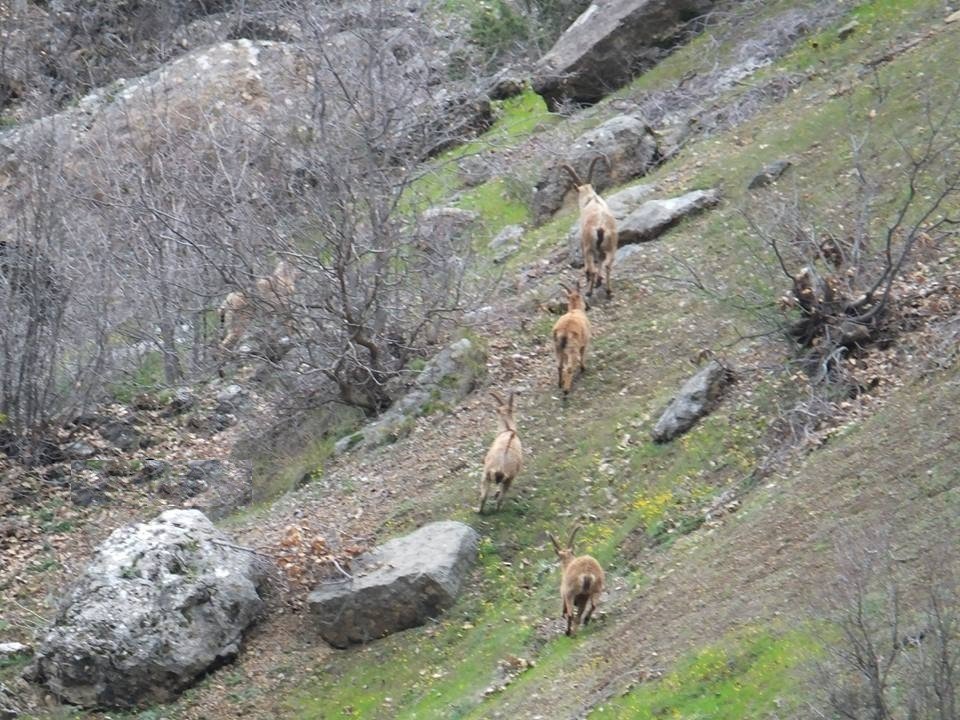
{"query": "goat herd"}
[(582, 578)]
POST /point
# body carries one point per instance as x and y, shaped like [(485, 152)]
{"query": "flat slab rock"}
[(160, 603), (698, 396), (398, 585)]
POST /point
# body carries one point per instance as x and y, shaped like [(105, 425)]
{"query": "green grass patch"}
[(147, 377), (289, 460), (752, 675)]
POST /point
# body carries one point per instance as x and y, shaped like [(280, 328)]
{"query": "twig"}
[(224, 543)]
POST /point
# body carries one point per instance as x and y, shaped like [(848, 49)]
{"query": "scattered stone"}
[(510, 235), (230, 398), (9, 704), (212, 423), (625, 252), (399, 585), (505, 85), (609, 44), (847, 30), (151, 470), (121, 435), (87, 490), (200, 475), (953, 17), (474, 170), (183, 399), (79, 450), (160, 604), (9, 649), (147, 401), (627, 143), (506, 243), (696, 398), (770, 173)]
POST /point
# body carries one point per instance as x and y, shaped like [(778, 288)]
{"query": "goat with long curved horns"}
[(580, 584), (598, 229)]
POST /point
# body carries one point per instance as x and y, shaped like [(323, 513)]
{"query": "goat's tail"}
[(586, 582), (599, 249), (498, 476), (560, 341)]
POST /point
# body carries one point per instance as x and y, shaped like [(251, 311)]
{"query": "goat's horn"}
[(497, 398), (572, 536), (554, 541), (573, 174), (565, 288), (593, 164)]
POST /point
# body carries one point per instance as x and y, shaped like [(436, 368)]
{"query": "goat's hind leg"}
[(586, 618)]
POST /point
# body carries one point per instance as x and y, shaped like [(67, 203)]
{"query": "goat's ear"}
[(556, 545), (573, 534)]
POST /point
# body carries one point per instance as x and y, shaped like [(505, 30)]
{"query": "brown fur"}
[(571, 335), (273, 295), (581, 583), (598, 232), (504, 459)]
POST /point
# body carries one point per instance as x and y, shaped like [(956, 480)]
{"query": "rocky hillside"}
[(762, 454)]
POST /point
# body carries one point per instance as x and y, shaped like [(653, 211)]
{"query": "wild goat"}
[(581, 582), (571, 335), (505, 456), (273, 295), (598, 230)]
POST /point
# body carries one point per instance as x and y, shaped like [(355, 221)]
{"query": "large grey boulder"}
[(160, 603), (609, 44), (646, 222), (696, 398), (399, 585), (447, 377), (654, 217), (627, 143)]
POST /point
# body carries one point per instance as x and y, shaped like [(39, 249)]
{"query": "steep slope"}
[(679, 583)]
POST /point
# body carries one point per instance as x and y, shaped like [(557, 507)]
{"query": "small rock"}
[(510, 235), (770, 173), (953, 17), (9, 704), (121, 435), (696, 398), (79, 450), (182, 400), (230, 398), (147, 401), (9, 649), (151, 470), (86, 492), (847, 30), (504, 85)]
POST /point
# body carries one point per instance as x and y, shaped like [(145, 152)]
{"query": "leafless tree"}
[(165, 203), (891, 639)]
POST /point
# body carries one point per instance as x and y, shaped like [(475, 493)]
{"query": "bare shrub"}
[(892, 645)]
